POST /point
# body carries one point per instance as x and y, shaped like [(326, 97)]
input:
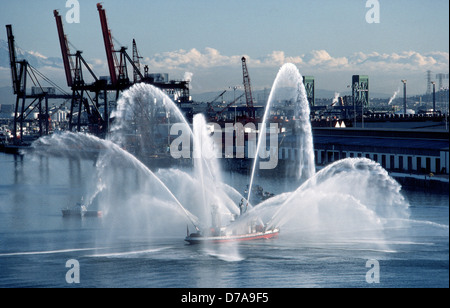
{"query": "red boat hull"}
[(197, 239)]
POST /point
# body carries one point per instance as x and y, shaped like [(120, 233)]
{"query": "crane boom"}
[(64, 48), (12, 59), (118, 67), (231, 104), (217, 97), (109, 45), (248, 89), (136, 61)]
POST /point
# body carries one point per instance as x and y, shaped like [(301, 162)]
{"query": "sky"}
[(205, 39)]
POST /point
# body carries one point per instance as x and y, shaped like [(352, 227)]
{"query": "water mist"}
[(288, 88)]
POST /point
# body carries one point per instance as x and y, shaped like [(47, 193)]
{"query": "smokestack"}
[(434, 97), (404, 97)]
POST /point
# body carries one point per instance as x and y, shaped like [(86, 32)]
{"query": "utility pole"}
[(234, 100)]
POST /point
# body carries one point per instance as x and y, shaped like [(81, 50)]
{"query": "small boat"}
[(197, 238), (80, 210)]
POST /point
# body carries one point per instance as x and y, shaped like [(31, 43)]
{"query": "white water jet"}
[(216, 203), (288, 87), (347, 199), (351, 199), (143, 111), (202, 156), (142, 122), (112, 160)]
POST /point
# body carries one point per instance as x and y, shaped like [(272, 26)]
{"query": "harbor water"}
[(40, 248)]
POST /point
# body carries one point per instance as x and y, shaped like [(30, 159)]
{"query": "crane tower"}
[(248, 89)]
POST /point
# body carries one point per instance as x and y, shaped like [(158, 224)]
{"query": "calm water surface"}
[(36, 242)]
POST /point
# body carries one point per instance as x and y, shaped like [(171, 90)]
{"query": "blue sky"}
[(328, 39)]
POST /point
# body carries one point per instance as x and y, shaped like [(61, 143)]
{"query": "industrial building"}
[(423, 155), (395, 150)]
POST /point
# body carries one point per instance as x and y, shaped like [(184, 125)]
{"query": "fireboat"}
[(253, 230), (199, 237)]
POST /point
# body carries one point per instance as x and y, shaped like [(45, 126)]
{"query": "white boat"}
[(80, 210)]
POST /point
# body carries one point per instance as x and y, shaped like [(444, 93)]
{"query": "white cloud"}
[(406, 60), (214, 70), (211, 58), (183, 59), (322, 59)]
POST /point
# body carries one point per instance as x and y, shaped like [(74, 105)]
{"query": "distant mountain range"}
[(34, 58), (6, 96)]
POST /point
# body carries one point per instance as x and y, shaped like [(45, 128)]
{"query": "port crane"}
[(118, 61), (117, 65), (248, 90), (22, 72), (74, 63), (136, 60)]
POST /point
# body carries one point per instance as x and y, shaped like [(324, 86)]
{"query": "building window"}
[(438, 165), (428, 164), (329, 157)]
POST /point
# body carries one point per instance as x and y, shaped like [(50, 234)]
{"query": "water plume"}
[(350, 199), (188, 76), (288, 88), (128, 184), (219, 209), (335, 99), (354, 198), (394, 96), (142, 121)]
